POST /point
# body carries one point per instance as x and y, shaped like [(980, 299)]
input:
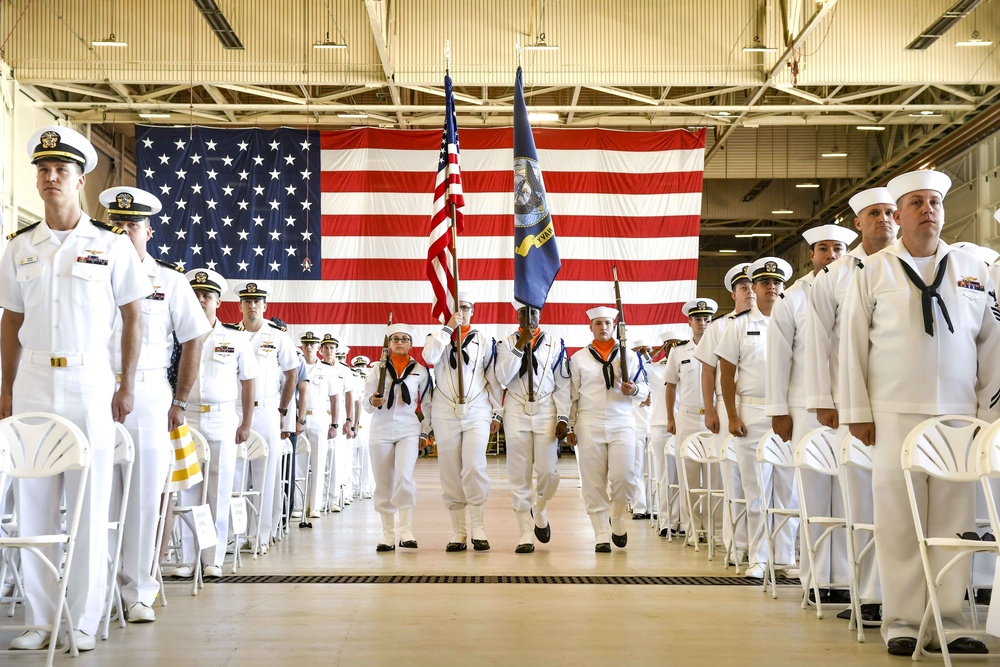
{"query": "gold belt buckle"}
[(58, 362), (118, 378), (309, 412), (702, 411), (204, 408)]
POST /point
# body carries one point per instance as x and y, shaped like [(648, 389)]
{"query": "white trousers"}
[(313, 464), (639, 504), (736, 480), (461, 445), (392, 465), (531, 448), (219, 429), (946, 508), (364, 481), (657, 442), (607, 454), (81, 394), (147, 424), (264, 472), (688, 424), (757, 424)]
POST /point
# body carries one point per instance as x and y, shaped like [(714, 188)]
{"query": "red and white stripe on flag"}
[(626, 198), (441, 249)]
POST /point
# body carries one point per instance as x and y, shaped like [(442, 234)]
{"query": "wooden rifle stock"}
[(384, 361), (621, 324)]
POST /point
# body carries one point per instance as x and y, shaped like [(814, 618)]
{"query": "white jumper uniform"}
[(643, 413), (745, 346), (658, 436), (683, 370), (530, 428), (69, 287), (226, 359), (894, 374), (602, 418), (171, 309)]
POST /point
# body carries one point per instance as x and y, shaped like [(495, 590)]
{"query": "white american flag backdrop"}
[(626, 198)]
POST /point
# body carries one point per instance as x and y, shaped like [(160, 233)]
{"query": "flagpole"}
[(454, 250)]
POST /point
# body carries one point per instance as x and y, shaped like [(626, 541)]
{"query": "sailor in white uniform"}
[(658, 435), (742, 356), (463, 425), (643, 413), (920, 338), (170, 312), (603, 426), (323, 388), (62, 282), (536, 417)]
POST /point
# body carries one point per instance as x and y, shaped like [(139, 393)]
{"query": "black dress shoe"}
[(408, 544), (603, 548), (640, 517), (664, 532), (840, 596), (543, 535), (870, 613), (524, 548), (456, 546), (620, 540), (480, 545), (902, 645), (381, 548), (967, 645)]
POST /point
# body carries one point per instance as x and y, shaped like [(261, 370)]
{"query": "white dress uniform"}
[(172, 309), (530, 426), (894, 374), (461, 440), (684, 371), (395, 434), (324, 385), (364, 480), (226, 359), (658, 436), (744, 345), (343, 454), (603, 420), (275, 355), (69, 286), (822, 336), (643, 413)]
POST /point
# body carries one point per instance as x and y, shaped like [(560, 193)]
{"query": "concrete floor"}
[(482, 624)]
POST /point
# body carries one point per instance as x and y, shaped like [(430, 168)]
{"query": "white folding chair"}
[(186, 514), (698, 447), (775, 452), (254, 449), (124, 461), (287, 451), (333, 491), (300, 484), (943, 448), (854, 458), (817, 452), (44, 445), (672, 489), (733, 518), (652, 479)]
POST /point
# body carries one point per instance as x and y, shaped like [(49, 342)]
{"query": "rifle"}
[(621, 323), (385, 359)]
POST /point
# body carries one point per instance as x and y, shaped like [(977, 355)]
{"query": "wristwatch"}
[(183, 405), (334, 425), (301, 421), (283, 411)]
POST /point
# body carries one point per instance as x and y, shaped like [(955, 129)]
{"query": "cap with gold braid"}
[(62, 144), (130, 203), (308, 338), (207, 280), (252, 289)]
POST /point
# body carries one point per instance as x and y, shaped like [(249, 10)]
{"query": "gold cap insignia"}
[(124, 200), (701, 305), (771, 267), (49, 139), (251, 288), (201, 277)]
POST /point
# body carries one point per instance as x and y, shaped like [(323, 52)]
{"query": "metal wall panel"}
[(783, 152)]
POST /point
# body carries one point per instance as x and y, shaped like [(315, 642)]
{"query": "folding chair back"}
[(818, 451), (854, 453), (255, 447), (774, 451), (123, 462), (700, 448)]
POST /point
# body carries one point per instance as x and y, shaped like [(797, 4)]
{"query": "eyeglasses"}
[(465, 309), (399, 339)]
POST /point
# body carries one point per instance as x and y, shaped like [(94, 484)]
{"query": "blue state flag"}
[(536, 256)]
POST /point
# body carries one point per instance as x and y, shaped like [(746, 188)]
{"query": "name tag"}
[(27, 260), (753, 333), (92, 259), (224, 349), (686, 361)]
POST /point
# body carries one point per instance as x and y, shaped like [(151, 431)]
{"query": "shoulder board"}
[(107, 226), (740, 314), (826, 269), (169, 265), (341, 363), (683, 342), (234, 327), (22, 230), (861, 264), (720, 316), (782, 295), (277, 326)]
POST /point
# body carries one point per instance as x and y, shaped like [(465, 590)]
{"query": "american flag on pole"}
[(631, 198), (447, 194)]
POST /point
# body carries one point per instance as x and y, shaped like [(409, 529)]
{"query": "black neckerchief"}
[(453, 351), (608, 366), (529, 353), (929, 293), (404, 391)]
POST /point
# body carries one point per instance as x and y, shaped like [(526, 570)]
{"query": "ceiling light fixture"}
[(975, 41), (743, 236), (762, 233), (154, 114), (728, 252), (782, 211), (925, 114), (327, 44), (807, 185), (359, 114), (870, 128), (542, 116), (540, 44), (758, 47), (836, 152), (110, 40)]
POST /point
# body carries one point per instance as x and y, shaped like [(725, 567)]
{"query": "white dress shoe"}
[(212, 572), (183, 571), (755, 572), (84, 642), (313, 514), (297, 514), (32, 640), (140, 613)]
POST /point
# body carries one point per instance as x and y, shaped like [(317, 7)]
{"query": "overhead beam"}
[(262, 92), (376, 19), (627, 94), (219, 98), (576, 98)]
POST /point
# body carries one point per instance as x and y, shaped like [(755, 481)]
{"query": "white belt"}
[(691, 411), (146, 376), (266, 402), (55, 361), (752, 400), (211, 407), (524, 399)]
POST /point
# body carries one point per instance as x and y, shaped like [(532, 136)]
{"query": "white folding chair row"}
[(948, 448), (700, 448), (41, 445), (124, 461), (652, 479), (254, 449), (186, 513), (672, 490), (775, 452), (856, 464), (734, 507)]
